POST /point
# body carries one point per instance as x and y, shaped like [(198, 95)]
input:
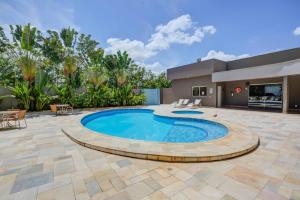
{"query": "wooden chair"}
[(69, 109), (22, 116), (8, 118), (2, 122), (17, 118), (54, 109)]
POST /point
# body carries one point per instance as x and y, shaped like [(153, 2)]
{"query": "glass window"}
[(199, 91), (196, 91), (203, 91)]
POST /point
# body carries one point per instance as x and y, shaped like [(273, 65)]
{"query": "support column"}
[(285, 94), (219, 96)]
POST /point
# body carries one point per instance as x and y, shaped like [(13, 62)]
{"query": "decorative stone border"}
[(240, 140)]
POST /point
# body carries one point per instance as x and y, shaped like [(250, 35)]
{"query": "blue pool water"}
[(187, 112), (142, 124)]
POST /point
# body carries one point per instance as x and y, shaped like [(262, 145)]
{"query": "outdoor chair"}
[(179, 103), (54, 109), (195, 104), (17, 118), (69, 109), (2, 122), (22, 116), (184, 103), (9, 118)]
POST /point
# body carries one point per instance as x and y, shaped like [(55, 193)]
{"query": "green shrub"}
[(23, 95)]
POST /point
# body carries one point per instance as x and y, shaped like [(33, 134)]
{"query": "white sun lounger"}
[(184, 103), (179, 103), (196, 103)]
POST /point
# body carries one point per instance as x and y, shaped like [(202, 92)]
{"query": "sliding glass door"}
[(265, 96)]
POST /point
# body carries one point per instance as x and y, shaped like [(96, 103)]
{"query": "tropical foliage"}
[(68, 67)]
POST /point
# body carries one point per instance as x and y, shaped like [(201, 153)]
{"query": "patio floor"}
[(40, 162)]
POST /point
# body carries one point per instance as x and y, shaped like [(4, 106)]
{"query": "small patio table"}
[(63, 107)]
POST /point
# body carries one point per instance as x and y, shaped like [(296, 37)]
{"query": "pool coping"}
[(239, 140)]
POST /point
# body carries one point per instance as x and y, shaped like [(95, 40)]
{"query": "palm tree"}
[(26, 51), (121, 76), (70, 66), (28, 67), (69, 37), (25, 39), (96, 78)]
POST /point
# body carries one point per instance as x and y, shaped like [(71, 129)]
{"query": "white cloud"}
[(223, 56), (154, 65), (297, 31), (42, 14), (181, 30), (135, 48)]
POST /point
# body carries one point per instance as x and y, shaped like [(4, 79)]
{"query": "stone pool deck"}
[(239, 141), (41, 162)]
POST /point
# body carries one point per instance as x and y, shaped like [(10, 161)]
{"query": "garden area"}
[(69, 67)]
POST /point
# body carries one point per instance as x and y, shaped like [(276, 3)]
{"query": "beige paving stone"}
[(295, 195), (192, 194), (63, 167), (173, 188), (285, 191), (228, 197), (152, 184), (118, 196), (138, 190), (105, 185), (211, 192), (216, 179), (293, 178), (182, 175), (82, 196), (29, 194), (118, 183), (78, 160), (105, 195), (168, 181), (78, 185), (162, 173), (137, 179), (277, 159), (238, 190), (179, 196), (61, 193), (142, 171), (6, 183), (157, 195), (248, 177), (195, 183), (265, 195)]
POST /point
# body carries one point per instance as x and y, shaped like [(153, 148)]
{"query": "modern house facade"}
[(269, 81)]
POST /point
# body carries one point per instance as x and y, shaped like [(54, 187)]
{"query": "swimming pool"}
[(187, 112), (142, 124)]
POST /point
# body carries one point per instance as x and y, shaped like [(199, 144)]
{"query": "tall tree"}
[(27, 54), (4, 42)]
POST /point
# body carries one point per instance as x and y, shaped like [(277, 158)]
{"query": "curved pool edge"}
[(155, 113), (239, 141)]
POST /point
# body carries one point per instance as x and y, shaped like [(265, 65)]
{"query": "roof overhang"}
[(264, 71)]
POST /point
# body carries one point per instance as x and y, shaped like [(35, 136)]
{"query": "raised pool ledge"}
[(239, 141)]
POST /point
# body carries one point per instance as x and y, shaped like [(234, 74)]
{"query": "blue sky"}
[(160, 34)]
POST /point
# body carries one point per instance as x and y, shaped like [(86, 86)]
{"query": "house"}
[(268, 81)]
